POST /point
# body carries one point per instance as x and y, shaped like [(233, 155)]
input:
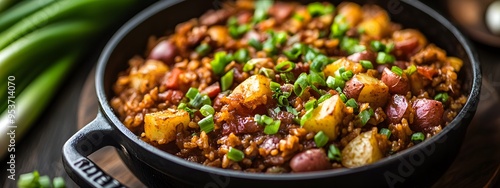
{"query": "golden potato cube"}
[(254, 91), (365, 88), (162, 126), (343, 62), (327, 117), (362, 150)]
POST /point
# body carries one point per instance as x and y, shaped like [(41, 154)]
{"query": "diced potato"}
[(347, 64), (162, 126), (362, 150), (352, 12), (365, 88), (254, 91), (327, 117), (147, 75), (219, 34)]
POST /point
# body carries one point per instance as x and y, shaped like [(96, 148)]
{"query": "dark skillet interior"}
[(131, 40)]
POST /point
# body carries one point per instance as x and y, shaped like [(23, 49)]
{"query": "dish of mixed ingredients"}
[(280, 87)]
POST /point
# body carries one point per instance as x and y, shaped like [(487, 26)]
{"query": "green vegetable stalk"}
[(33, 100)]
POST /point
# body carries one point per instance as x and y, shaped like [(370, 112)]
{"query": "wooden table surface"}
[(477, 165)]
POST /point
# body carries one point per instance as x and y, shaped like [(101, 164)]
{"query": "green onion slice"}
[(384, 58), (397, 70), (273, 127), (386, 132), (285, 66), (417, 137), (443, 97), (334, 153), (207, 124), (366, 64), (365, 115), (242, 55), (235, 154), (227, 80), (320, 139), (192, 92), (207, 110), (203, 49)]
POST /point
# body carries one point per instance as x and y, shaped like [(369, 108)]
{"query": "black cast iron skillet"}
[(417, 166)]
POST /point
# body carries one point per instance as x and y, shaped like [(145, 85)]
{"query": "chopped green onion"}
[(275, 86), (263, 119), (267, 72), (231, 21), (28, 179), (386, 132), (227, 80), (365, 115), (287, 77), (347, 75), (316, 79), (292, 110), (235, 154), (255, 44), (285, 66), (351, 45), (295, 51), (334, 153), (242, 55), (411, 69), (389, 47), (280, 38), (300, 84), (44, 182), (332, 82), (343, 97), (443, 97), (283, 99), (319, 9), (273, 127), (261, 9), (183, 106), (200, 100), (324, 97), (250, 65), (311, 104), (366, 64), (319, 62), (320, 139), (311, 53), (58, 182), (207, 110), (417, 137), (277, 110), (397, 70), (384, 58), (203, 49), (269, 47), (305, 117), (377, 46), (221, 59), (339, 26), (352, 103), (192, 92), (298, 17), (207, 124), (236, 31)]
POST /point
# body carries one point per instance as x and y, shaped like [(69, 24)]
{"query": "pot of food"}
[(293, 94)]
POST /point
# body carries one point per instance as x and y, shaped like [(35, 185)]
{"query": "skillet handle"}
[(92, 137)]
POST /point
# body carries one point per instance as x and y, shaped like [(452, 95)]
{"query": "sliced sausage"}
[(164, 51)]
